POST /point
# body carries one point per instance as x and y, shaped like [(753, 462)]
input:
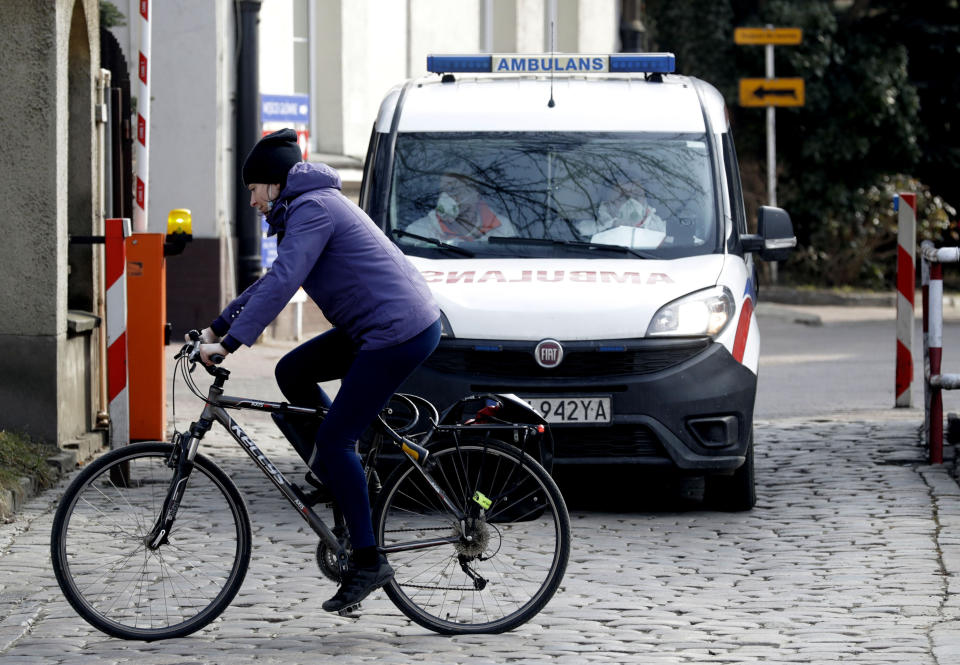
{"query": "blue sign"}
[(293, 109)]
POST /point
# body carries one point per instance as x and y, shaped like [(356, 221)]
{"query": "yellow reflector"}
[(179, 220)]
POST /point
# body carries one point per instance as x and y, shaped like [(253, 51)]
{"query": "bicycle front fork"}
[(181, 460)]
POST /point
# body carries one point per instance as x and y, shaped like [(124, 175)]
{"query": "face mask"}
[(272, 195), (447, 206), (631, 212)]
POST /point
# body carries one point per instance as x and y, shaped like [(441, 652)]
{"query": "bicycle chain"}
[(425, 528), (439, 588)]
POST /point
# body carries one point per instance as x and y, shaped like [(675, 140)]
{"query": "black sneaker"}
[(358, 583)]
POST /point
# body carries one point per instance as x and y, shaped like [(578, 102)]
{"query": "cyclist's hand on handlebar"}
[(207, 336), (212, 354)]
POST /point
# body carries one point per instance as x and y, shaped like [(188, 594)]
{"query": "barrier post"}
[(147, 304), (925, 296), (906, 206), (935, 351), (115, 233)]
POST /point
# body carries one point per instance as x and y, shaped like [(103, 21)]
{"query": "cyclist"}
[(385, 323)]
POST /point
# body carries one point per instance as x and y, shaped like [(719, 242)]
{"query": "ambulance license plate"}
[(571, 409)]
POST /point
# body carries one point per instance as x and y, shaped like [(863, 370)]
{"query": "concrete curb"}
[(63, 462), (786, 295), (12, 501), (786, 313), (792, 296)]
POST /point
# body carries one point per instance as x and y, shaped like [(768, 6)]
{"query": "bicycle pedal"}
[(350, 611)]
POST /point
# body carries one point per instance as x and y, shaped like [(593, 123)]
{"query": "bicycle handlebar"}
[(192, 351)]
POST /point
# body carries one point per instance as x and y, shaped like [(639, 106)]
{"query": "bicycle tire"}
[(108, 574), (521, 543)]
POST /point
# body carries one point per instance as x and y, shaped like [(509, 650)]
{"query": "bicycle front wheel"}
[(490, 572), (119, 584)]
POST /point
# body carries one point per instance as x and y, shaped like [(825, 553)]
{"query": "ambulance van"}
[(580, 221)]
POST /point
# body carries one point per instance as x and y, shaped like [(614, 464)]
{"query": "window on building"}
[(301, 47)]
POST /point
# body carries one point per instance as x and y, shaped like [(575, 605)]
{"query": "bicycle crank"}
[(327, 560)]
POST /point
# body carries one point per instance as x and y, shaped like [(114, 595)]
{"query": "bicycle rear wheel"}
[(501, 566), (110, 576)]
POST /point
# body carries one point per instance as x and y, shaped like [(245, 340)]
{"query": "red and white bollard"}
[(906, 207), (934, 343), (143, 121), (116, 232)]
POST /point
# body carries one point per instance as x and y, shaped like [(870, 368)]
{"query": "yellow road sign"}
[(771, 92), (776, 36)]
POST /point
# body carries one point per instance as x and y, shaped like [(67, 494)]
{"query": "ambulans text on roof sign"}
[(577, 63)]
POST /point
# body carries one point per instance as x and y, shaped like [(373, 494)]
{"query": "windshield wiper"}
[(433, 241), (569, 243)]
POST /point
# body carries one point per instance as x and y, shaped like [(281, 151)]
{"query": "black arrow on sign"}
[(763, 92)]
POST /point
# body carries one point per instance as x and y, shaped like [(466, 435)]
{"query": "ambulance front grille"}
[(620, 441), (576, 364)]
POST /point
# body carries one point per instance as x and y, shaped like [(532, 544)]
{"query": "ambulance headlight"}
[(702, 313)]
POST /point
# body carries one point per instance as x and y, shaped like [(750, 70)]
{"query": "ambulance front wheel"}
[(735, 492)]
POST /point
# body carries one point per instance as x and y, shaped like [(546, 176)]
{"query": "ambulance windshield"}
[(553, 193)]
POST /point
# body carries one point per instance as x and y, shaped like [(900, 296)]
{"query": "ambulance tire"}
[(736, 492)]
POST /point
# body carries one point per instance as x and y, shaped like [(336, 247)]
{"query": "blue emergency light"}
[(556, 63)]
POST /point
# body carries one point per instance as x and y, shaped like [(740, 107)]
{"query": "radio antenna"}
[(553, 38)]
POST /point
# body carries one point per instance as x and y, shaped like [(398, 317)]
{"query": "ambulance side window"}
[(732, 172)]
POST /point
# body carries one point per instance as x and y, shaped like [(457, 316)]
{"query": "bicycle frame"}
[(215, 410)]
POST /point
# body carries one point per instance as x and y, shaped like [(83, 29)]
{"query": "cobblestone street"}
[(851, 555)]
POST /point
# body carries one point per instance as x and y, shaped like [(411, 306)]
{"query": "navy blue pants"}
[(368, 379)]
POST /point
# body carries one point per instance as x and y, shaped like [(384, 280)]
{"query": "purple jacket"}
[(360, 280)]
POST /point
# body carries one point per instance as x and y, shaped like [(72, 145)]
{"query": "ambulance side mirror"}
[(774, 239)]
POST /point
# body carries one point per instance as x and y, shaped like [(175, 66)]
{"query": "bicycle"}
[(153, 540)]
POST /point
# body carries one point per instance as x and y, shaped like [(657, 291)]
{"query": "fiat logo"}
[(548, 353)]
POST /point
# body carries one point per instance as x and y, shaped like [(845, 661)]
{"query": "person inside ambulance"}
[(626, 218), (460, 214)]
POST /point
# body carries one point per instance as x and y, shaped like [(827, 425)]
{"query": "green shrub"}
[(860, 247), (22, 456)]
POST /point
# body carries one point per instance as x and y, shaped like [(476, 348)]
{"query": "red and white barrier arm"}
[(143, 121)]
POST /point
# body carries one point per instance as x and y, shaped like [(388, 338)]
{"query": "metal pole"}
[(935, 336), (486, 27), (248, 132), (925, 294), (771, 149)]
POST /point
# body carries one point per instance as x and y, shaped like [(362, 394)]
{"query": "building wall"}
[(364, 47), (276, 47), (360, 48), (50, 189)]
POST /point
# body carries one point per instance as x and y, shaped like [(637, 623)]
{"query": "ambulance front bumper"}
[(685, 404)]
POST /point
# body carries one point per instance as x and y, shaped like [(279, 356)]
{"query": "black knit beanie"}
[(271, 159)]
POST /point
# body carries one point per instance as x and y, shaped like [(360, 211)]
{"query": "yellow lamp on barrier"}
[(179, 231), (179, 220)]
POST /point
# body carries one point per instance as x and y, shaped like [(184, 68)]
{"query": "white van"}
[(581, 223)]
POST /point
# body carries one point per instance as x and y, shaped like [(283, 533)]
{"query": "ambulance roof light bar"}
[(557, 63)]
